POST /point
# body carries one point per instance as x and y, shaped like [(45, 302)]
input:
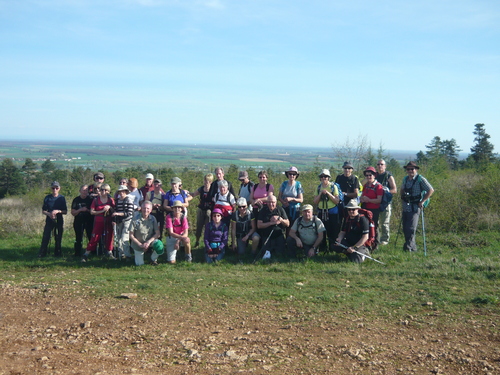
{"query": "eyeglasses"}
[(369, 175), (380, 164), (324, 176), (242, 206), (55, 188), (410, 169), (99, 178)]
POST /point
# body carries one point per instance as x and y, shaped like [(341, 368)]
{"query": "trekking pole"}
[(357, 252), (263, 246), (423, 232)]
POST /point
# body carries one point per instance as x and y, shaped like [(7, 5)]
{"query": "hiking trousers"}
[(410, 223)]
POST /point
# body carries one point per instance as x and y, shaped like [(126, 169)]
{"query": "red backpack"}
[(371, 233)]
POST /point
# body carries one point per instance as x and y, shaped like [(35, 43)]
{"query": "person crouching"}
[(177, 227)]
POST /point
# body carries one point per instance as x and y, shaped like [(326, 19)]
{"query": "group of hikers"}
[(351, 216)]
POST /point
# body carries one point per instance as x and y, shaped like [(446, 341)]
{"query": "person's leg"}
[(200, 223), (78, 226), (384, 225), (410, 222), (359, 258), (241, 246), (255, 243), (291, 245), (139, 257), (187, 248), (58, 238), (47, 231), (172, 247)]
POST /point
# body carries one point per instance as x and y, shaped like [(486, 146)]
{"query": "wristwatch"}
[(355, 247)]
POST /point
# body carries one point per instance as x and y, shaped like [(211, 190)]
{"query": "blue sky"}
[(301, 73)]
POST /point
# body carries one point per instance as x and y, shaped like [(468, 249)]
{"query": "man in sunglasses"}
[(415, 191), (355, 232), (54, 206), (93, 189)]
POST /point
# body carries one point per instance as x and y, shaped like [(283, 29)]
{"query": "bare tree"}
[(356, 151)]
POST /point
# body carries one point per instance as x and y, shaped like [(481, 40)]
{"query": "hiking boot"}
[(384, 243), (110, 256), (85, 258), (197, 244), (154, 263), (189, 258)]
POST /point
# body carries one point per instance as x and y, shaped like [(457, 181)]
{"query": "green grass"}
[(449, 281)]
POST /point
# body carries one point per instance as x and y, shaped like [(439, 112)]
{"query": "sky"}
[(268, 72)]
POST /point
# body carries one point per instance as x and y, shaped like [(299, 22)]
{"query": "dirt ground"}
[(53, 331)]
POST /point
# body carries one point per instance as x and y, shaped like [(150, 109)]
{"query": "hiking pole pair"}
[(357, 252), (423, 232), (264, 245)]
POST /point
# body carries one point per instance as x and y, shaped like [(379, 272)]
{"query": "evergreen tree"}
[(11, 180), (482, 151), (29, 172), (48, 167)]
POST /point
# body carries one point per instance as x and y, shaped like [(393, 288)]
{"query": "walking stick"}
[(423, 232), (357, 252), (263, 246)]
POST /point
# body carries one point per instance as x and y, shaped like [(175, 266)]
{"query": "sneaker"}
[(384, 243), (189, 258), (154, 263), (85, 258), (110, 256), (197, 244)]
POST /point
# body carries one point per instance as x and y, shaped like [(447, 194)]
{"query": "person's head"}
[(133, 183), (411, 169), (208, 179), (352, 209), (381, 166), (99, 177), (149, 179), (84, 191), (216, 215), (146, 208), (347, 167), (176, 183), (307, 212), (219, 173), (370, 174), (292, 173), (123, 191), (243, 177), (324, 176), (177, 208), (55, 187), (104, 189), (223, 187), (157, 184), (242, 204), (271, 201), (263, 176), (123, 181)]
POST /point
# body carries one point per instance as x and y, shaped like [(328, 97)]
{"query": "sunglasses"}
[(99, 178), (242, 206), (55, 188), (351, 209), (410, 169), (324, 176), (369, 175), (292, 174)]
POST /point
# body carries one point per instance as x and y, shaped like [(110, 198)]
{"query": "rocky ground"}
[(52, 331)]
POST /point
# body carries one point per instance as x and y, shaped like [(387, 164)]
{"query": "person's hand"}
[(349, 250), (233, 246), (106, 208), (299, 243), (324, 191), (311, 252)]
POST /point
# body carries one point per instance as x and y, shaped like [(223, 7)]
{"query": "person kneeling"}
[(307, 233), (143, 232), (354, 234), (177, 228), (243, 228)]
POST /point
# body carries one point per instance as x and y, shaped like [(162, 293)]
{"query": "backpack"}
[(267, 187), (299, 225), (371, 233), (386, 199), (243, 226), (422, 194)]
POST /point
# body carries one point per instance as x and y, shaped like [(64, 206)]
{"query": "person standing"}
[(101, 208), (93, 189), (371, 198), (122, 218), (291, 194), (326, 200), (135, 192), (246, 186), (204, 207), (214, 187), (83, 220), (156, 198), (148, 186), (414, 192), (54, 207), (387, 180), (349, 184)]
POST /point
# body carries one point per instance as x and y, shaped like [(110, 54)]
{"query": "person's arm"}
[(358, 244), (392, 185), (233, 234), (293, 234), (426, 196)]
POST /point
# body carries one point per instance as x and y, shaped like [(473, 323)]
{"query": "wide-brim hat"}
[(177, 204), (325, 172), (411, 164), (371, 170), (352, 205), (123, 188), (292, 169)]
